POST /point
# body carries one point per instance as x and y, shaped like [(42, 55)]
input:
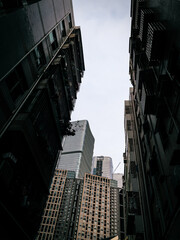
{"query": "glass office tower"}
[(78, 150), (102, 166)]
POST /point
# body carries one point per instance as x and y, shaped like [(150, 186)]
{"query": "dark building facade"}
[(130, 195), (155, 107), (41, 69)]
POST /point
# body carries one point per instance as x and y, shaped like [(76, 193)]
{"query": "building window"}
[(129, 125), (127, 109), (63, 30), (16, 83), (131, 147), (53, 40), (70, 20), (39, 56)]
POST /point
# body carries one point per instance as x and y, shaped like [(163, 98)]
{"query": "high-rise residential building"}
[(102, 166), (114, 212), (122, 213), (68, 218), (94, 221), (155, 110), (61, 214), (41, 69), (119, 178), (78, 150), (53, 204), (86, 208)]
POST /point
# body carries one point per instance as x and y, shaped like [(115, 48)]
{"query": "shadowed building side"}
[(41, 70), (154, 48)]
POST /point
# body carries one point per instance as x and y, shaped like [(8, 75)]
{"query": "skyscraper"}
[(52, 208), (80, 208), (41, 69), (102, 166), (94, 221), (78, 150), (155, 110), (61, 214), (68, 218)]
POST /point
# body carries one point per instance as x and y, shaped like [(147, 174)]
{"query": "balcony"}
[(155, 41), (140, 4), (147, 15)]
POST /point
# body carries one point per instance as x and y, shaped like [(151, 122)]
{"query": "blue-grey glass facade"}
[(78, 150), (102, 166)]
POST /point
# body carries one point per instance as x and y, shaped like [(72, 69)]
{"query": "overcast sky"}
[(105, 29)]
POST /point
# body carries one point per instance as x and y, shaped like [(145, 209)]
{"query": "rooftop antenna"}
[(117, 167)]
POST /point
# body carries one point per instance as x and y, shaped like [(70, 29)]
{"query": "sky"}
[(105, 29)]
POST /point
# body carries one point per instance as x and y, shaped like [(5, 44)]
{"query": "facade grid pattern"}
[(67, 222), (51, 211), (94, 221), (114, 212)]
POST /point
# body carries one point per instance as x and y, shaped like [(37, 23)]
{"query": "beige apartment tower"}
[(94, 220), (79, 209), (51, 211)]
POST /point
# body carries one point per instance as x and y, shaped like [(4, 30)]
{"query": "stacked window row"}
[(48, 223), (67, 223), (95, 209)]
